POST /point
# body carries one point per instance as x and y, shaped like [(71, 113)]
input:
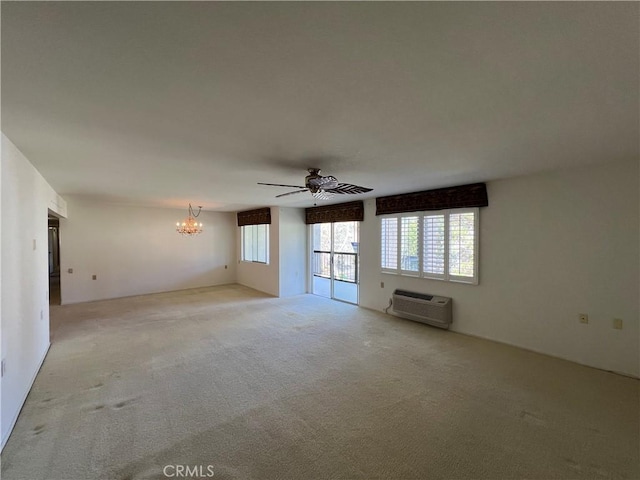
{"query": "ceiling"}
[(165, 103)]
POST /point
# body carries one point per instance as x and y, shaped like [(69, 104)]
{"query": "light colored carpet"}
[(307, 388)]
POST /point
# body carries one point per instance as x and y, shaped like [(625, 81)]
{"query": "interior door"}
[(335, 260)]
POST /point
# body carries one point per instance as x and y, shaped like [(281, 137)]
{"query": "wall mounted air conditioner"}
[(421, 307)]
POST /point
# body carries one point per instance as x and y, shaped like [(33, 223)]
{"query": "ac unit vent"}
[(429, 309)]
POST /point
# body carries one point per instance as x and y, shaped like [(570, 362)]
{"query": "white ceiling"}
[(165, 103)]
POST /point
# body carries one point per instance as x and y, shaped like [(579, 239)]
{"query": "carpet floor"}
[(229, 382)]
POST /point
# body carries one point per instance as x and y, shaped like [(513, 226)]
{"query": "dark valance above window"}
[(465, 196), (342, 212), (259, 216)]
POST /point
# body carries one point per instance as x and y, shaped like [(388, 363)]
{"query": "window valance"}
[(259, 216), (465, 196), (342, 212)]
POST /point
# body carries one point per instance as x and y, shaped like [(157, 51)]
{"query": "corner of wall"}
[(24, 280)]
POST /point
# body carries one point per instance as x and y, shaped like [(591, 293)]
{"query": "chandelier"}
[(189, 226)]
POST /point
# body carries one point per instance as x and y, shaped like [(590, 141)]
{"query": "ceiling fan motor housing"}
[(316, 182)]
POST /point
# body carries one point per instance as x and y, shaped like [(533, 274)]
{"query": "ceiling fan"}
[(321, 186)]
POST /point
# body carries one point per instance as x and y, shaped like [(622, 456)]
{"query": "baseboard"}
[(15, 418), (539, 352), (102, 299)]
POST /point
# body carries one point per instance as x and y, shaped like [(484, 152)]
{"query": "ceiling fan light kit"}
[(321, 186)]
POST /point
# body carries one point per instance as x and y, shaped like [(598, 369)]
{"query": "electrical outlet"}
[(617, 323), (381, 284), (94, 277), (583, 317)]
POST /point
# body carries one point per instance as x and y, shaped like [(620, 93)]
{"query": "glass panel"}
[(461, 244), (246, 243), (345, 261), (261, 243), (322, 250), (321, 260), (322, 237)]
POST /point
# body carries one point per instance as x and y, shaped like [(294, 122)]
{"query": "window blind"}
[(389, 243), (433, 244), (409, 244)]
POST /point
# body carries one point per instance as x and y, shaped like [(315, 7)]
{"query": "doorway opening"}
[(54, 261), (335, 260)]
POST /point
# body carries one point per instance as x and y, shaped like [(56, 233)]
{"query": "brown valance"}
[(342, 212), (465, 196), (254, 217)]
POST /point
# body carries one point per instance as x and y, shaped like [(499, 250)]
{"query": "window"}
[(255, 243), (441, 245)]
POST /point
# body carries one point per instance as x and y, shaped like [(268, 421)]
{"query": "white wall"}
[(293, 252), (4, 424), (24, 303), (136, 250), (551, 246)]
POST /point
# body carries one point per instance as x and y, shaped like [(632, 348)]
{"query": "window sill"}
[(449, 280)]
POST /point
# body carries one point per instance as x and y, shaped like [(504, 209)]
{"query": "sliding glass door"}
[(335, 260)]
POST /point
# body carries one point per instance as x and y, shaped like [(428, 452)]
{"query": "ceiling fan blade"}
[(290, 193), (280, 185), (349, 189)]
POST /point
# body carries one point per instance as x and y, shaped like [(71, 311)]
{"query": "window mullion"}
[(476, 244), (254, 240)]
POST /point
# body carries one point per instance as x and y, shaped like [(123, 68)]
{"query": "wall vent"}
[(421, 307)]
